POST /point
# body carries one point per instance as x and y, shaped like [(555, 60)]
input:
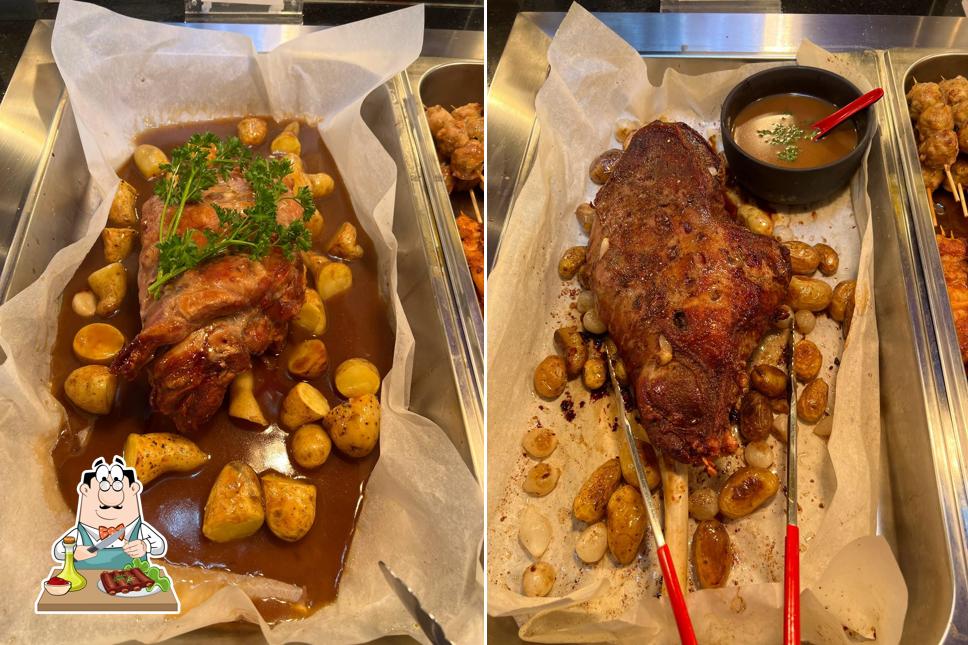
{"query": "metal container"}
[(923, 480)]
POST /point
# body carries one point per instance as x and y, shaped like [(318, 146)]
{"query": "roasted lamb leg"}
[(672, 270)]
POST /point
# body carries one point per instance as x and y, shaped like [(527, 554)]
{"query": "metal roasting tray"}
[(46, 180), (923, 500)]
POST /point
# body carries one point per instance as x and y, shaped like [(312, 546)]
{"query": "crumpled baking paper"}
[(423, 509), (595, 78)]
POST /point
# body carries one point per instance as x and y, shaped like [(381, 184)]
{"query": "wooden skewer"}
[(934, 215), (964, 207), (951, 182), (477, 211), (943, 234)]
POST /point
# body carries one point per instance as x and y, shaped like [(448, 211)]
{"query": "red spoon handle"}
[(828, 123), (679, 609), (791, 587)]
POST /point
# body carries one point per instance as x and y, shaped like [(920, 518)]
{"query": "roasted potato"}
[(123, 211), (354, 426), (829, 260), (571, 260), (311, 446), (84, 304), (812, 403), (290, 505), (807, 360), (98, 343), (539, 442), (712, 554), (550, 377), (118, 243), (746, 490), (356, 377), (573, 345), (242, 401), (311, 318), (286, 141), (538, 579), (333, 279), (343, 244), (252, 131), (594, 373), (235, 507), (586, 215), (809, 293), (308, 360), (804, 259), (755, 416), (303, 404), (541, 479), (757, 220), (603, 165), (626, 523), (592, 499), (155, 453), (320, 184), (314, 262), (109, 284), (842, 295), (534, 531), (806, 321), (771, 381), (592, 543), (149, 159), (92, 388), (316, 224), (703, 504), (649, 461)]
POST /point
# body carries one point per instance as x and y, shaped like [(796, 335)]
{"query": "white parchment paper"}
[(423, 509), (596, 78)]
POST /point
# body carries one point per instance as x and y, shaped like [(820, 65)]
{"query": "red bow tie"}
[(104, 531)]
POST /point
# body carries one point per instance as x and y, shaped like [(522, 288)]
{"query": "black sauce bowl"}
[(783, 185)]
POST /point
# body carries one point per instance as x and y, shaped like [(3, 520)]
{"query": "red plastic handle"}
[(791, 587), (679, 609), (828, 123)]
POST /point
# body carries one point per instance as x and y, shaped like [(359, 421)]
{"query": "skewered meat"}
[(467, 162), (212, 318), (954, 90), (472, 239), (935, 117), (959, 113), (438, 118), (448, 176), (938, 148), (959, 172), (468, 110), (923, 95), (963, 140), (450, 138), (667, 261), (475, 127), (932, 178), (954, 265)]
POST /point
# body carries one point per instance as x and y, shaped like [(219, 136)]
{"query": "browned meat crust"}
[(954, 265), (667, 259)]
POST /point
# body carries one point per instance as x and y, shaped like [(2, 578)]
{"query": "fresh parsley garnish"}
[(197, 166)]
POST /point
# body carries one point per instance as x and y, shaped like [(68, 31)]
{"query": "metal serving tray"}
[(921, 502)]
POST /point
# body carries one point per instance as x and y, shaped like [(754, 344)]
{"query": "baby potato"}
[(98, 343), (541, 479), (586, 215), (809, 293), (316, 224), (807, 360), (539, 443), (538, 579), (571, 260), (804, 259), (149, 159), (234, 509), (242, 401), (746, 490), (123, 207), (308, 360), (155, 453), (534, 531), (355, 426), (303, 404), (757, 220), (755, 416), (602, 166), (109, 284), (356, 377), (813, 401), (333, 279), (550, 377), (286, 142), (650, 464), (320, 184), (703, 504), (252, 130), (290, 505), (118, 243), (92, 388), (842, 295), (592, 499), (593, 373), (712, 554), (770, 380), (343, 243), (592, 543), (84, 304), (311, 446), (312, 315), (829, 260), (573, 346), (626, 523)]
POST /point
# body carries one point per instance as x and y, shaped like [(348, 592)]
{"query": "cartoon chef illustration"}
[(110, 532)]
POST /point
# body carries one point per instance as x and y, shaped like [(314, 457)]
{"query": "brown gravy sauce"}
[(357, 326)]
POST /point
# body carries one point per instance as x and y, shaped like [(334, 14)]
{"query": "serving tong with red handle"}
[(791, 560)]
